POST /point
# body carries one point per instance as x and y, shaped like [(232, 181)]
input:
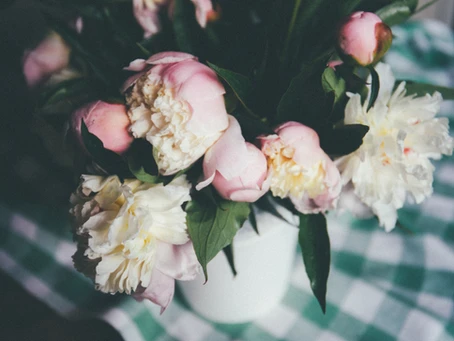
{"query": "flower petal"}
[(160, 290), (178, 261)]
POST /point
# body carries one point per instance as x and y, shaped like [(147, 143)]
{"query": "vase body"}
[(263, 262)]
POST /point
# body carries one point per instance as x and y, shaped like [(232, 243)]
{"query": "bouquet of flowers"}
[(185, 116)]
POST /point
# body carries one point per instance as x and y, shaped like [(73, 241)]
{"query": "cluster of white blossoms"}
[(121, 226), (394, 159)]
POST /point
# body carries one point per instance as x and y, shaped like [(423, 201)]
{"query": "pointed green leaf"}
[(228, 251), (212, 228), (333, 83), (343, 140), (241, 85), (422, 89), (395, 13), (314, 241), (265, 204), (374, 88), (253, 220)]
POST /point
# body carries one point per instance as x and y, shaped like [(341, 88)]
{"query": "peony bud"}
[(50, 56), (363, 38), (236, 168), (109, 122), (177, 104), (300, 169)]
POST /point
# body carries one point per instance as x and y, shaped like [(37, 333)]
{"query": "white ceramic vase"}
[(263, 262)]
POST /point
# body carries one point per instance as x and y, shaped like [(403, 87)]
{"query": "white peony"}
[(131, 232), (393, 160)]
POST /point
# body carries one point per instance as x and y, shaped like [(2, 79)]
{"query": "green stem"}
[(291, 26)]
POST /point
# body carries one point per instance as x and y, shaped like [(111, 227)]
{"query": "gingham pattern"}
[(381, 287)]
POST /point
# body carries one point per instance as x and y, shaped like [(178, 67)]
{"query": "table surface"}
[(382, 286)]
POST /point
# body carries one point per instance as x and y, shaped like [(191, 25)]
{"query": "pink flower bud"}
[(300, 169), (363, 38), (109, 122), (50, 56), (236, 168)]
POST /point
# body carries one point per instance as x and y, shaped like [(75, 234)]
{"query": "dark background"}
[(28, 174)]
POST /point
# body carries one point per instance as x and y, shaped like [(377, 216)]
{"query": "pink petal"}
[(169, 57), (177, 261), (228, 156), (208, 117), (202, 9), (136, 65), (147, 17), (201, 86), (160, 290)]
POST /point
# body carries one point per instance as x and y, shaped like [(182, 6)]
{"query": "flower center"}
[(290, 178), (156, 115)]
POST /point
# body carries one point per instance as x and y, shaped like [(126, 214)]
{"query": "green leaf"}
[(140, 173), (267, 204), (343, 140), (228, 251), (395, 13), (422, 89), (141, 162), (333, 83), (253, 220), (107, 159), (212, 228), (241, 85), (305, 101), (314, 241), (375, 87), (187, 31)]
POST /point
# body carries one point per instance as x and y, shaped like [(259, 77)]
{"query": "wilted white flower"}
[(134, 234), (393, 160)]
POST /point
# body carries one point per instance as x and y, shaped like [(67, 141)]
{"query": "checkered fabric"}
[(382, 286)]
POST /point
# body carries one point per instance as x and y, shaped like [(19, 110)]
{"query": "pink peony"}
[(50, 56), (173, 262), (363, 38), (236, 168), (147, 13), (109, 122), (300, 169), (177, 104)]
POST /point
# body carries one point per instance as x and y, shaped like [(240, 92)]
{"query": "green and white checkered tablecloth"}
[(395, 286)]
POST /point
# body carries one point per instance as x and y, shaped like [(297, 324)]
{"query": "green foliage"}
[(374, 88), (111, 162), (187, 31), (343, 140), (212, 226), (228, 251), (141, 162), (395, 13), (305, 100), (240, 85), (420, 89), (315, 246), (333, 83)]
